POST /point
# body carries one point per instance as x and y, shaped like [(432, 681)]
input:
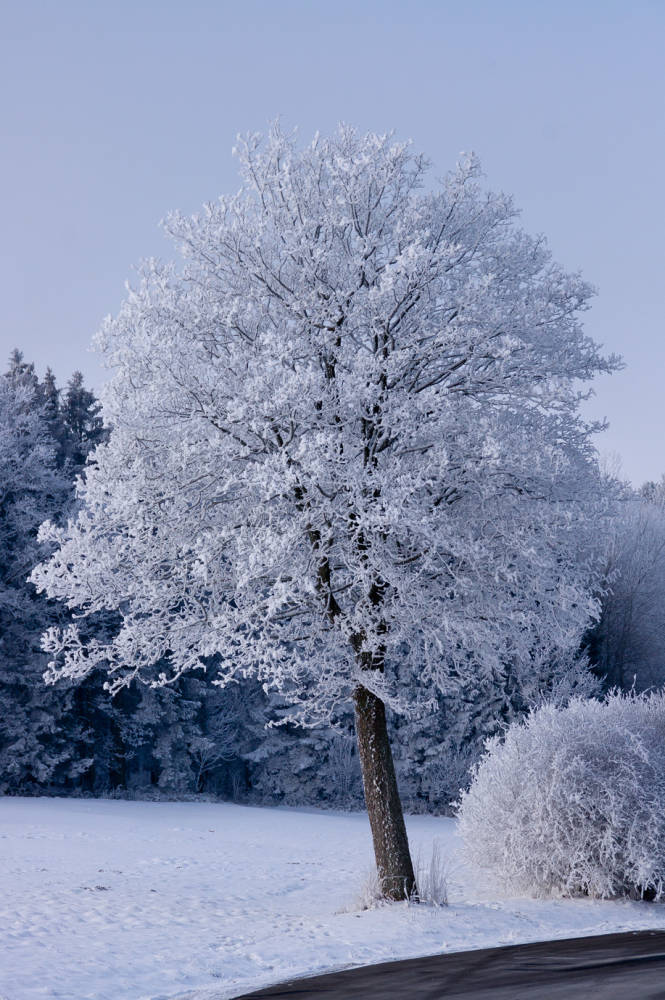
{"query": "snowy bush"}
[(572, 801)]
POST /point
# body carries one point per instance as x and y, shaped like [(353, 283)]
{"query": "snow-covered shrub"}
[(572, 801)]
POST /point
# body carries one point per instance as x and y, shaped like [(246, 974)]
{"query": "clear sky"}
[(114, 112)]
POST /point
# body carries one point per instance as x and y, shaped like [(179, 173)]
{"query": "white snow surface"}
[(117, 900)]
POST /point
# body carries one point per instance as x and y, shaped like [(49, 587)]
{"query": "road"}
[(608, 967)]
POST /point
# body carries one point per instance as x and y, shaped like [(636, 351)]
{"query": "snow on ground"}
[(120, 900)]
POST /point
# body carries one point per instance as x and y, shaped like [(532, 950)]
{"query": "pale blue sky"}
[(112, 113)]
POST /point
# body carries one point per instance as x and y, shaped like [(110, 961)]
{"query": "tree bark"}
[(391, 846)]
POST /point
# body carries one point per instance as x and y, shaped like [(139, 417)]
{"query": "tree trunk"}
[(391, 846)]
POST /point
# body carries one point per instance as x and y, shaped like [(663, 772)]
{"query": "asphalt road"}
[(612, 967)]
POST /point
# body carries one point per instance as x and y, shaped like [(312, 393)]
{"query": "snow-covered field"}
[(135, 900)]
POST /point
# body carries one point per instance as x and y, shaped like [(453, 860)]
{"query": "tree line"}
[(191, 737)]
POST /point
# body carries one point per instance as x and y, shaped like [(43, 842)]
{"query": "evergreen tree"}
[(82, 421), (32, 488), (48, 738)]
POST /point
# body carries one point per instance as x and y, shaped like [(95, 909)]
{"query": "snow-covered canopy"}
[(346, 435)]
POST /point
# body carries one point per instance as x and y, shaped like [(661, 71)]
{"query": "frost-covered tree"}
[(48, 738), (347, 455), (74, 738), (80, 414), (31, 489)]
